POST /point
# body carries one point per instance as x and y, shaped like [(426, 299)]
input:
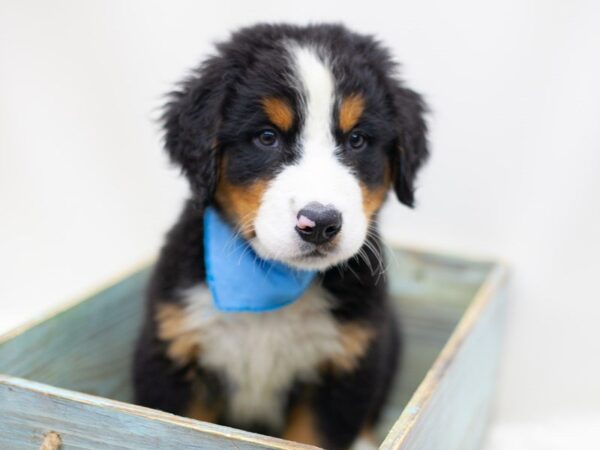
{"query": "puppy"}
[(292, 136)]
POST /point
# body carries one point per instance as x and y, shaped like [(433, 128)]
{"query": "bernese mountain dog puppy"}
[(291, 136)]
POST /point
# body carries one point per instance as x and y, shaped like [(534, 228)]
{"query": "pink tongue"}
[(305, 222)]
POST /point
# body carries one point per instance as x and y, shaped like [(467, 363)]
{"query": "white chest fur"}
[(262, 354)]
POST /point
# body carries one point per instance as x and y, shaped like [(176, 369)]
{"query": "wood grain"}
[(30, 410), (86, 347), (451, 311), (449, 410)]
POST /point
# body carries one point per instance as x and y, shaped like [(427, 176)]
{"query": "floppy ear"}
[(411, 149), (191, 121)]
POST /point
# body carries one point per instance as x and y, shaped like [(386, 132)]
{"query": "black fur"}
[(412, 142), (215, 115), (218, 107)]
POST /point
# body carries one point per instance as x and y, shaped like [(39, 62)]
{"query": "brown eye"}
[(267, 138), (356, 140)]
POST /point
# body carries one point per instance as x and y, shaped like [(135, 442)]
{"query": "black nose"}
[(318, 223)]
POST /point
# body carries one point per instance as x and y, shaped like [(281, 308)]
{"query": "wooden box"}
[(69, 373)]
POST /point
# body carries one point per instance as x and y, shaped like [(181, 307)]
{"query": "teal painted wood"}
[(87, 348), (431, 293), (450, 409), (30, 410)]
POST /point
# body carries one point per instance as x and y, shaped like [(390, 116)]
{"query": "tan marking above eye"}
[(279, 112), (351, 110)]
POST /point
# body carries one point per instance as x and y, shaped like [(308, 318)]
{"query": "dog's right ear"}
[(191, 120)]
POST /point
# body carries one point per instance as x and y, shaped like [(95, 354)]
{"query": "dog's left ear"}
[(411, 149)]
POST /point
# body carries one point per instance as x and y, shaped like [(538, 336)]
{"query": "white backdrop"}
[(85, 191)]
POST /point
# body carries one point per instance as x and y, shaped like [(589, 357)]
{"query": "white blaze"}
[(318, 176)]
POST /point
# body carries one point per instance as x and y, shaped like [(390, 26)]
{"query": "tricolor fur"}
[(280, 118)]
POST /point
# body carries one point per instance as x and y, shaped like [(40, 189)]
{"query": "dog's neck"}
[(241, 281)]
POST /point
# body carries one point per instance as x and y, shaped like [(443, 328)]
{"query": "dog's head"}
[(296, 134)]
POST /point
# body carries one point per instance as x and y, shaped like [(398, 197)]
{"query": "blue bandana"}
[(239, 280)]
